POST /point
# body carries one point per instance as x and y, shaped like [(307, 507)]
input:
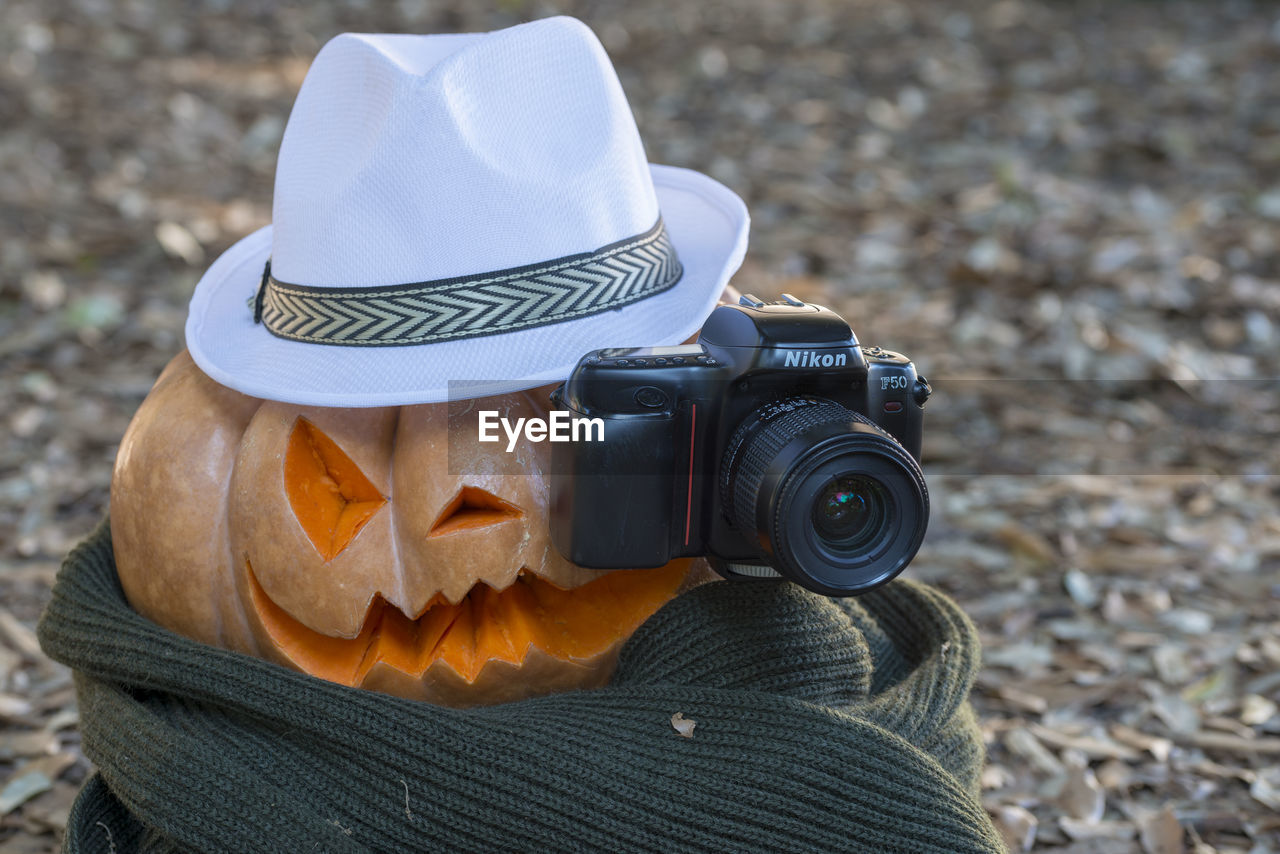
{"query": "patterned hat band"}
[(469, 306)]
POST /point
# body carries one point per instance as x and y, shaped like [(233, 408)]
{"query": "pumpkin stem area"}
[(331, 498), (485, 625)]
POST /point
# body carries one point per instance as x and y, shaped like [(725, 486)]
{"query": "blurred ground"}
[(1067, 213)]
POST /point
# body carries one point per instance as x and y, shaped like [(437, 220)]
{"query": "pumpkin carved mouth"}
[(485, 626), (503, 614)]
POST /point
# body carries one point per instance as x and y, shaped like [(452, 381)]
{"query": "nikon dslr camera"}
[(775, 446)]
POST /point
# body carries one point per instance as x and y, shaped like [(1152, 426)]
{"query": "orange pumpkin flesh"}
[(337, 542), (473, 508)]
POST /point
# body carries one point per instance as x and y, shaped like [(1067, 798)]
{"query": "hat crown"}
[(415, 158)]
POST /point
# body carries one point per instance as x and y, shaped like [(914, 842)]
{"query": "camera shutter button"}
[(650, 397)]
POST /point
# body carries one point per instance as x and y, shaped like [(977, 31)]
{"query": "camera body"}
[(700, 442)]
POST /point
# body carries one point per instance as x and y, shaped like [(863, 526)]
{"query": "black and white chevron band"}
[(468, 306)]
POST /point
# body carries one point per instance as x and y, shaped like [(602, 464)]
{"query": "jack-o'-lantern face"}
[(336, 541)]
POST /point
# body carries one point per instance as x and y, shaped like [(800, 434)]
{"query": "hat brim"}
[(706, 221)]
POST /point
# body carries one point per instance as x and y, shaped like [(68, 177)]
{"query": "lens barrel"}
[(835, 503)]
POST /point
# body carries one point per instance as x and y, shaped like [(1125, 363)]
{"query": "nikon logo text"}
[(558, 426), (813, 359)]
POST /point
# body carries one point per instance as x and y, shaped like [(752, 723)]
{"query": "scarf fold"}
[(821, 726)]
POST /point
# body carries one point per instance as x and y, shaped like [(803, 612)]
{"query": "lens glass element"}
[(849, 512), (832, 501)]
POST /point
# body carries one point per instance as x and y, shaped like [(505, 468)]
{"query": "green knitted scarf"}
[(821, 726)]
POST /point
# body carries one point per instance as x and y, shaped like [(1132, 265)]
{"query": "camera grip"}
[(895, 397), (611, 501)]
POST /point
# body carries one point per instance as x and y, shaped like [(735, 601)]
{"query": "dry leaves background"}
[(1067, 213)]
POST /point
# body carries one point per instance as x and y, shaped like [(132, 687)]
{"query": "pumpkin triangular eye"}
[(330, 496), (474, 508)]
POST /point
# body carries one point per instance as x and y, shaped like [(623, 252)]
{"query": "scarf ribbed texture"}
[(822, 726)]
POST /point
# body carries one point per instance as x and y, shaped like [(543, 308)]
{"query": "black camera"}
[(775, 445)]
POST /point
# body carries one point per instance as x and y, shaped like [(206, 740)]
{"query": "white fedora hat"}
[(461, 212)]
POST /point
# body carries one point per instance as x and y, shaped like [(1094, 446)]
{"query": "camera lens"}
[(832, 501), (849, 512)]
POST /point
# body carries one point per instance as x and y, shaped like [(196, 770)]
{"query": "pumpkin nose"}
[(472, 509), (477, 537), (465, 512)]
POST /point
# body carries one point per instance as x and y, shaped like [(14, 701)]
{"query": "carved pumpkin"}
[(335, 541)]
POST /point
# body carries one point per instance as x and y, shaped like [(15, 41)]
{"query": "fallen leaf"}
[(20, 637), (26, 743), (1114, 774), (1025, 541), (1081, 796), (1161, 833), (683, 725), (1158, 747), (63, 719), (1080, 587), (1266, 788), (1018, 827), (180, 243), (1077, 829), (1092, 746), (13, 706), (1256, 710), (1023, 743), (32, 779), (1230, 743)]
